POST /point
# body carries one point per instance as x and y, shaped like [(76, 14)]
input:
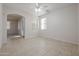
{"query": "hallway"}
[(15, 25), (37, 47)]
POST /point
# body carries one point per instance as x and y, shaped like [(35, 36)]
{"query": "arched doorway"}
[(15, 26)]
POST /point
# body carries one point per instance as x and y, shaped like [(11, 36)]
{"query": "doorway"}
[(15, 26)]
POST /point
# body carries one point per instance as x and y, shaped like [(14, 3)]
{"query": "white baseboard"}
[(61, 40)]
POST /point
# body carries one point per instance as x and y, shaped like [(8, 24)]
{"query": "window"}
[(43, 24), (8, 25)]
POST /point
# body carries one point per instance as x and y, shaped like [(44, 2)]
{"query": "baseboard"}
[(60, 40)]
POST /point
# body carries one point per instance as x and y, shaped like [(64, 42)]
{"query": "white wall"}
[(21, 26), (13, 30), (30, 30), (78, 28), (78, 22), (62, 24), (0, 25)]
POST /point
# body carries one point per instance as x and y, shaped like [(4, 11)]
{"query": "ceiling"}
[(14, 17), (54, 5), (29, 7), (49, 7)]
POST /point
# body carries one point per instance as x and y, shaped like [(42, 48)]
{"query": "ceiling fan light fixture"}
[(38, 9)]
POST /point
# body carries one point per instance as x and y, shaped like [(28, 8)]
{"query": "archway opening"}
[(15, 26)]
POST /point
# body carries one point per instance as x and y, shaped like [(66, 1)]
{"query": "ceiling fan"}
[(40, 8), (39, 5)]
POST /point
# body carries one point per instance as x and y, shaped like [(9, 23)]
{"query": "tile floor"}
[(38, 47)]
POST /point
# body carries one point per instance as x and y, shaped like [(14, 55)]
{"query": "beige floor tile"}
[(38, 47)]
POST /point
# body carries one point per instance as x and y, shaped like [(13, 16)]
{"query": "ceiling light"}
[(37, 4), (38, 9)]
